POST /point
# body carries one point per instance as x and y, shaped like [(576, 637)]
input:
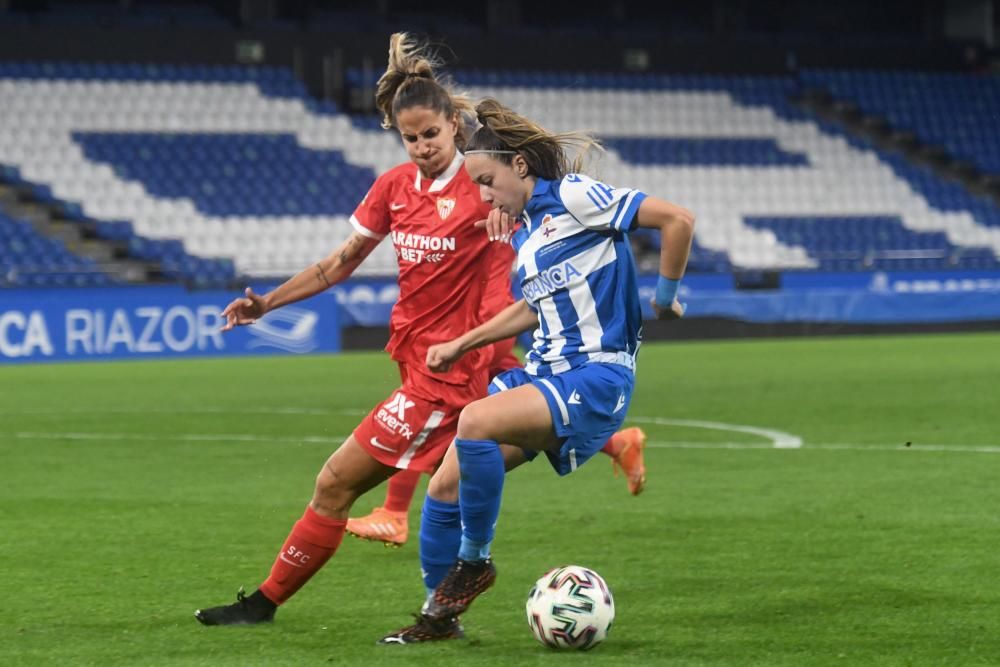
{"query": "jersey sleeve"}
[(599, 206), (371, 217)]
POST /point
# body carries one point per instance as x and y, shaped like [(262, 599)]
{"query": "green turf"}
[(123, 507)]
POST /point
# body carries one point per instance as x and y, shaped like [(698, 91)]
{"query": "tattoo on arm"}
[(354, 249), (349, 251), (321, 275)]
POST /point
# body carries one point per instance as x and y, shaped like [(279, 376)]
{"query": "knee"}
[(443, 486), (473, 423)]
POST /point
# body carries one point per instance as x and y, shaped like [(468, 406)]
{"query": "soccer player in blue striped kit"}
[(578, 278)]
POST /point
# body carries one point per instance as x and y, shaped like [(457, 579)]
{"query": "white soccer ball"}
[(570, 607)]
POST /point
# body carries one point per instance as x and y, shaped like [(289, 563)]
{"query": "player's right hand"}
[(498, 225), (674, 312), (440, 357), (245, 310)]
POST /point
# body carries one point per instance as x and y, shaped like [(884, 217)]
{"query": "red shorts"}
[(412, 431)]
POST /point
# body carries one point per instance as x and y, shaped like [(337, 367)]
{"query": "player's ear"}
[(520, 166)]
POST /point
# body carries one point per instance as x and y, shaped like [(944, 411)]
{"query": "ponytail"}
[(411, 79), (505, 133)]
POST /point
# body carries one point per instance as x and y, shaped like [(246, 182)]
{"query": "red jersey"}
[(444, 262)]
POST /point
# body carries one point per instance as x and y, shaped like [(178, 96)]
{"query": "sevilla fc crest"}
[(445, 207)]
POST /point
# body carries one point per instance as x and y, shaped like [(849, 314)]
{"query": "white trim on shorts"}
[(432, 423), (555, 394)]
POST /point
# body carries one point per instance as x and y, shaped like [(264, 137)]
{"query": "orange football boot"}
[(382, 525), (629, 458)]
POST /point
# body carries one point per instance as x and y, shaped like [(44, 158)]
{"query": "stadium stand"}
[(217, 171), (955, 111), (738, 151), (232, 162)]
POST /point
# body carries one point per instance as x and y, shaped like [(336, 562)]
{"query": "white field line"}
[(778, 439), (179, 411), (832, 446), (180, 437), (337, 439)]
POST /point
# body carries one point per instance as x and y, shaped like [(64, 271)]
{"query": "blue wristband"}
[(666, 291)]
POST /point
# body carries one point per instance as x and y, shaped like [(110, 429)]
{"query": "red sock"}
[(401, 488), (611, 447), (312, 541)]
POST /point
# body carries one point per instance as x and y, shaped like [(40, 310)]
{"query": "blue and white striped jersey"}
[(576, 270)]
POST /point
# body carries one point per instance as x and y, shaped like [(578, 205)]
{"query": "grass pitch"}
[(134, 492)]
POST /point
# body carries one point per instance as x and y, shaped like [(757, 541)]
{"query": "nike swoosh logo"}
[(397, 207), (290, 562), (376, 443)]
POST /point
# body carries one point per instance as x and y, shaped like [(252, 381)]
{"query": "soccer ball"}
[(570, 607)]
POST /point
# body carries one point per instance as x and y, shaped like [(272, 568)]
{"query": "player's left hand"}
[(674, 312), (498, 225), (440, 357)]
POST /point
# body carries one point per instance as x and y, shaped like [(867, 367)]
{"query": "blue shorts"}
[(588, 404)]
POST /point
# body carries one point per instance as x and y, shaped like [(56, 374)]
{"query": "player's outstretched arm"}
[(326, 273), (510, 321), (676, 225)]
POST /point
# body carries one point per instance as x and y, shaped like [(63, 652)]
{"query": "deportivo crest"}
[(445, 206), (547, 230)]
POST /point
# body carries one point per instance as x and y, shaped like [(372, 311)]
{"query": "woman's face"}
[(503, 186), (429, 138)]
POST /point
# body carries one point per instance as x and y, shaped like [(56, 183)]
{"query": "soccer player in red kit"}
[(388, 523), (427, 207)]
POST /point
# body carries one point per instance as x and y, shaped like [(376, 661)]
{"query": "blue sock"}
[(440, 534), (481, 465)]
